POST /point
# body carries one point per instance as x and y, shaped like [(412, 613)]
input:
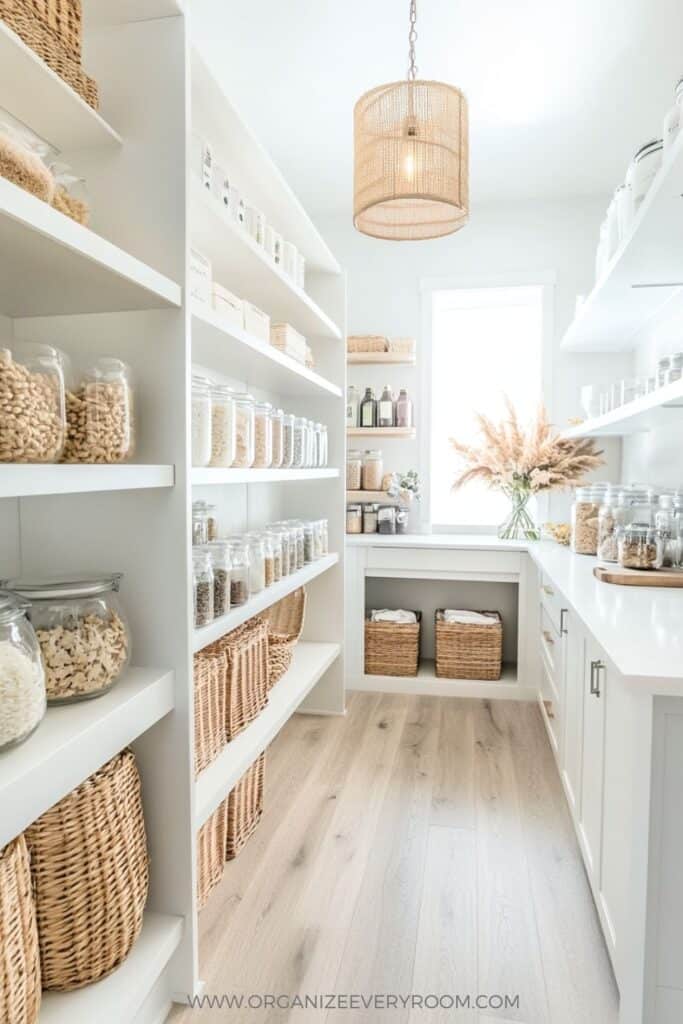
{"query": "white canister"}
[(256, 225), (290, 260), (623, 198), (643, 169), (672, 121), (301, 271), (273, 244)]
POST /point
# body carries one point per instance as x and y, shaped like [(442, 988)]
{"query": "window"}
[(486, 343)]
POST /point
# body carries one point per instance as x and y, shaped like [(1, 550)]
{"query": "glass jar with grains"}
[(99, 415), (354, 467), (276, 417), (354, 520), (244, 431), (201, 422), (263, 436), (639, 547), (373, 471), (584, 519), (239, 572), (202, 584), (257, 563), (220, 563), (268, 559), (275, 541), (32, 404), (222, 427), (287, 440), (22, 677), (300, 440)]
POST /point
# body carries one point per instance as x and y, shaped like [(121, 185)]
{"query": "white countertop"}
[(639, 628)]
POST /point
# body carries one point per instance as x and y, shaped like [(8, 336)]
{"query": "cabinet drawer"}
[(552, 710), (550, 641), (445, 560), (551, 600)]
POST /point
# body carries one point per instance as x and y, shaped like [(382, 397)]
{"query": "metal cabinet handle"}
[(548, 590), (548, 637), (596, 668), (563, 628)]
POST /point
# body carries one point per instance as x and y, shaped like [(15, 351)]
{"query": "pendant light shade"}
[(411, 161)]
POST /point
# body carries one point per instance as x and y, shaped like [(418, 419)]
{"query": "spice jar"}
[(309, 545), (263, 435), (32, 404), (297, 530), (202, 582), (354, 466), (220, 563), (276, 417), (287, 440), (82, 631), (222, 427), (370, 518), (639, 547), (275, 541), (201, 421), (584, 529), (239, 572), (268, 559), (373, 471), (300, 438), (386, 519), (291, 533), (244, 431), (99, 415), (257, 563), (354, 521), (22, 677)]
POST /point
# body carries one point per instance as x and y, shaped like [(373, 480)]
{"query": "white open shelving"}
[(18, 481), (381, 359), (432, 685), (404, 432), (310, 661), (646, 413), (202, 477)]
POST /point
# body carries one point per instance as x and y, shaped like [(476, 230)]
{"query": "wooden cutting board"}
[(639, 577)]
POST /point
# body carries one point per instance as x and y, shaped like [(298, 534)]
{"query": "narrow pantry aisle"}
[(419, 844)]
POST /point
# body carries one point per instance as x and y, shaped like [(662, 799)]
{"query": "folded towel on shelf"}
[(469, 618), (393, 615)]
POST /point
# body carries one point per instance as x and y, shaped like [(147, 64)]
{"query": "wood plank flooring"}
[(421, 846)]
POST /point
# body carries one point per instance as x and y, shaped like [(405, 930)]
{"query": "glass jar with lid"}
[(354, 468), (240, 562), (354, 521), (22, 677), (674, 370), (325, 528), (317, 445), (287, 440), (257, 563), (268, 559), (386, 519), (614, 513), (290, 532), (297, 529), (263, 436), (200, 523), (309, 543), (639, 547), (220, 564), (201, 421), (82, 631), (222, 426), (300, 442), (666, 525), (373, 471), (32, 404), (244, 431), (324, 446), (584, 518), (275, 541), (100, 416), (202, 586), (276, 418)]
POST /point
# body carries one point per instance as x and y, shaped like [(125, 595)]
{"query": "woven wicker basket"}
[(366, 343), (63, 17), (209, 707), (245, 679), (467, 651), (19, 962), (245, 807), (285, 626), (43, 41), (211, 853), (392, 648), (90, 876)]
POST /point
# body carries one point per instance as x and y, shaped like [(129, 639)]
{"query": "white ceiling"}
[(560, 93)]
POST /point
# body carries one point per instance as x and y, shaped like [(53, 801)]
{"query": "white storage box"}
[(289, 341), (200, 278), (228, 306), (256, 322)]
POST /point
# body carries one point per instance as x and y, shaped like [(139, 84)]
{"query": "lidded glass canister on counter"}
[(584, 518), (640, 547)]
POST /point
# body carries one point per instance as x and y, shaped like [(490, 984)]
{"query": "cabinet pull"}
[(563, 628), (548, 637), (596, 667), (548, 590)]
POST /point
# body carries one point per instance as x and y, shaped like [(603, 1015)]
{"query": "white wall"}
[(384, 294)]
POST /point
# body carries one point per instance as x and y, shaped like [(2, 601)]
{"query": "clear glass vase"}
[(519, 524)]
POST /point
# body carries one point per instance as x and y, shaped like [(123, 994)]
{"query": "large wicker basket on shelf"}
[(392, 648), (466, 650), (285, 626), (19, 962), (211, 853), (209, 673), (245, 807), (63, 17), (245, 678), (89, 867)]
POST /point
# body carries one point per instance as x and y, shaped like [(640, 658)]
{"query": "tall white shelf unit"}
[(121, 288)]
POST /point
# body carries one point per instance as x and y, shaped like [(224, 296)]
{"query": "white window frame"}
[(546, 280)]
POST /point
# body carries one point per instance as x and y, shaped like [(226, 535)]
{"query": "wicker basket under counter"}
[(467, 650), (392, 648), (20, 988), (245, 807), (211, 853)]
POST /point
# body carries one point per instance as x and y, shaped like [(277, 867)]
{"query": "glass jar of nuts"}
[(585, 511), (99, 414), (640, 547), (32, 404)]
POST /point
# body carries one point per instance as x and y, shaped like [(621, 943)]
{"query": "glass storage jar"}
[(275, 541), (220, 564), (317, 445), (354, 467), (674, 371), (268, 559), (201, 421), (300, 441), (614, 513), (263, 436), (639, 547), (297, 529), (287, 440), (239, 572), (325, 526), (291, 533), (666, 525), (309, 543), (276, 418), (257, 563), (202, 586), (373, 471), (584, 519), (244, 431), (200, 523), (22, 677), (222, 427), (317, 539), (32, 404), (386, 519), (82, 631), (100, 425), (324, 447), (354, 521)]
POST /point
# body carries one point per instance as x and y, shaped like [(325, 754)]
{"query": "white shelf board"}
[(231, 350), (120, 12), (120, 995), (644, 273), (51, 265), (405, 432), (36, 95), (31, 480), (268, 188), (373, 498), (310, 662), (202, 477), (380, 358), (428, 683), (259, 602), (241, 265), (646, 413), (73, 741)]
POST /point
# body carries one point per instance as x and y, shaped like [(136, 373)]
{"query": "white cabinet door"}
[(573, 644), (593, 758)]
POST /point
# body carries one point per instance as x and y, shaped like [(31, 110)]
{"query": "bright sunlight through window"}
[(486, 343)]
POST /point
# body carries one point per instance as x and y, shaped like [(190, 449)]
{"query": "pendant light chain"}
[(412, 39)]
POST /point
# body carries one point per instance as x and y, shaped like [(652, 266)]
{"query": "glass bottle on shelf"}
[(220, 563), (354, 465), (385, 408), (404, 409), (324, 449), (263, 435), (201, 422), (287, 440), (222, 427), (373, 471), (368, 410), (276, 417), (257, 563), (22, 681), (299, 444), (275, 542), (239, 572), (352, 406), (244, 431), (202, 579)]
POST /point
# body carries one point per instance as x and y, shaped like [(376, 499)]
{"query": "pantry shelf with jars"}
[(650, 410), (381, 431)]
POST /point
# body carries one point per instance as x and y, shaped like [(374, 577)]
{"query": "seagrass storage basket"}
[(285, 626), (245, 679), (209, 670), (19, 961), (63, 17), (211, 853), (466, 650), (392, 648), (89, 867), (245, 807)]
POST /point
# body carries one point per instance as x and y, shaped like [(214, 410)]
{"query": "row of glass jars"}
[(632, 526), (231, 429), (226, 573)]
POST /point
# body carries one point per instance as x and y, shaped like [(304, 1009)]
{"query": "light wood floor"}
[(419, 845)]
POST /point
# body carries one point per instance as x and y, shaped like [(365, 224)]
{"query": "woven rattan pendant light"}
[(411, 157)]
